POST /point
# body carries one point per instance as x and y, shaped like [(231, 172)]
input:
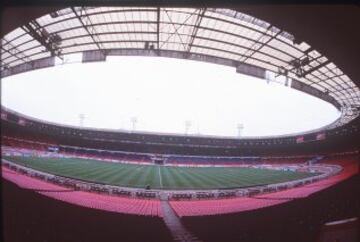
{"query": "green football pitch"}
[(158, 177)]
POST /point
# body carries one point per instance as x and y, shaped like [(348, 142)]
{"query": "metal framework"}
[(221, 36)]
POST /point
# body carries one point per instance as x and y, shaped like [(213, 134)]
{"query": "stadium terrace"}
[(123, 186)]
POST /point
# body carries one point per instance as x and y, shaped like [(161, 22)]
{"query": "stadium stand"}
[(36, 210), (30, 216), (86, 199), (233, 205), (298, 221)]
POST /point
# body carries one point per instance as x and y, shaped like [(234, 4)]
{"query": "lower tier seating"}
[(182, 208), (234, 205), (86, 199)]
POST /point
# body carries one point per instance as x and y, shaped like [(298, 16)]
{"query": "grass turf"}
[(158, 177)]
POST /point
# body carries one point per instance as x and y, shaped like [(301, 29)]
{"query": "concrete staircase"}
[(177, 229)]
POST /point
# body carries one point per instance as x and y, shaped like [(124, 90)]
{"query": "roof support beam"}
[(315, 68), (158, 28), (177, 28), (196, 28), (330, 78), (306, 52), (40, 34), (13, 51), (262, 44), (298, 69), (88, 27)]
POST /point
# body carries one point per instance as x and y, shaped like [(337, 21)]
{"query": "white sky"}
[(163, 94)]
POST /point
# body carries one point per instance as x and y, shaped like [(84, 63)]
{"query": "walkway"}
[(177, 229)]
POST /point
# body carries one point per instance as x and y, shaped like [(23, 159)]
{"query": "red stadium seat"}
[(86, 199)]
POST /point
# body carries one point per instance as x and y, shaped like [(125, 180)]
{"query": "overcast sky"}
[(163, 94)]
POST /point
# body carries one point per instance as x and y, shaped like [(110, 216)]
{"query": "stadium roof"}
[(223, 36)]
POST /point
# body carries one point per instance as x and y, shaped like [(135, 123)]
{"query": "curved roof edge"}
[(221, 36)]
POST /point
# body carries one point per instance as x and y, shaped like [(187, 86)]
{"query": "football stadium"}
[(252, 134)]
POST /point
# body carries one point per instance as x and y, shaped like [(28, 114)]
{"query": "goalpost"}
[(158, 159)]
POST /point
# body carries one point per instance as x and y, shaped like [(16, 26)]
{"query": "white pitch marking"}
[(161, 185)]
